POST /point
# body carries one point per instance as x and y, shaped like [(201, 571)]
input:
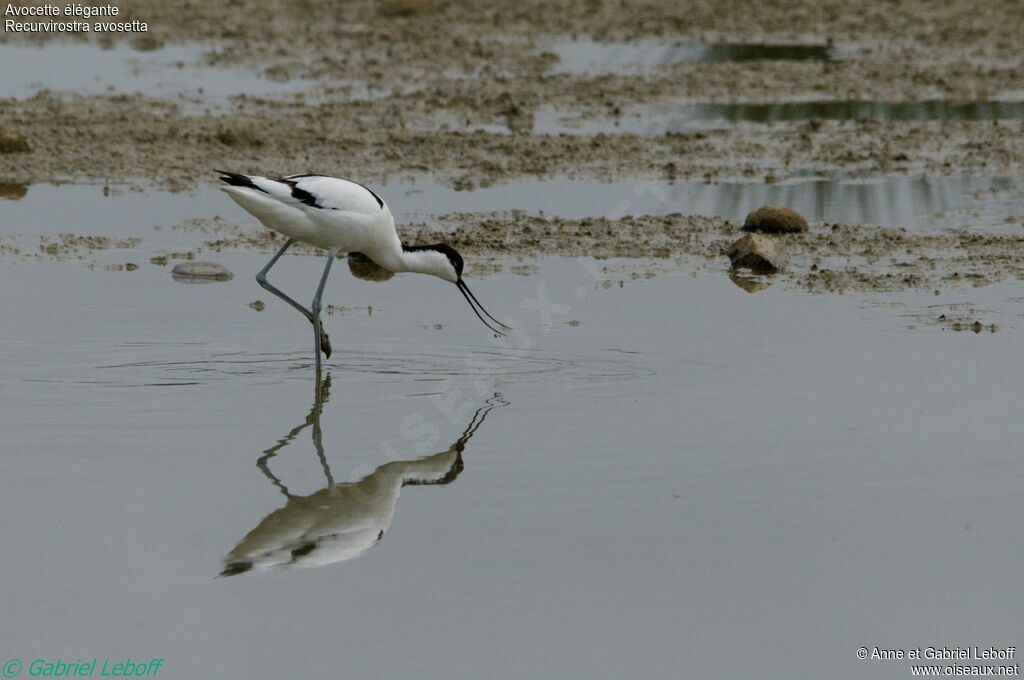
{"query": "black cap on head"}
[(446, 250)]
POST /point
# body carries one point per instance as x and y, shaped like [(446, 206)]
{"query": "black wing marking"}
[(311, 200), (303, 196)]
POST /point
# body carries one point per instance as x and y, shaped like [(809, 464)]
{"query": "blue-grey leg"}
[(261, 278), (316, 309)]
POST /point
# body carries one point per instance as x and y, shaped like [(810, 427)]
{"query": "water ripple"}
[(508, 366)]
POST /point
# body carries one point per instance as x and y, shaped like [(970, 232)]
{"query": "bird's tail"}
[(237, 180)]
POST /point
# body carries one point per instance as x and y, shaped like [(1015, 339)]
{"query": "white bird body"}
[(326, 212), (339, 522)]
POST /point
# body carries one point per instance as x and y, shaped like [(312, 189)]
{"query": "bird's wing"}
[(333, 193), (312, 191)]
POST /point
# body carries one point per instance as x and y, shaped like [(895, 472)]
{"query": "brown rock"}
[(404, 8), (13, 191), (771, 220), (14, 142), (758, 253), (200, 272)]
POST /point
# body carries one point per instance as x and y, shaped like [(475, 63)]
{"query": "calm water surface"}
[(633, 502), (589, 57), (922, 203), (690, 117), (86, 68)]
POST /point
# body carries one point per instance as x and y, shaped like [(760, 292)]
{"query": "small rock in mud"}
[(404, 8), (771, 220), (200, 272), (239, 137), (13, 191), (146, 43), (366, 269), (258, 305), (959, 324), (757, 253), (14, 142)]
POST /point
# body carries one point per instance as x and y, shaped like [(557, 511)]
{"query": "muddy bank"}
[(395, 38), (460, 91), (828, 258), (149, 142), (832, 258)]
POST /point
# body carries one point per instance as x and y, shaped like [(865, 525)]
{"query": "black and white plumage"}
[(326, 212), (340, 215), (341, 521)]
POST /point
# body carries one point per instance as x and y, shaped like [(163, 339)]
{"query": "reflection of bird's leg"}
[(262, 461), (318, 444), (426, 471), (313, 418), (478, 418)]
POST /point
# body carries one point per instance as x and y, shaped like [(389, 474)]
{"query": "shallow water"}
[(633, 503), (977, 203), (712, 116), (591, 57), (895, 201), (171, 71)]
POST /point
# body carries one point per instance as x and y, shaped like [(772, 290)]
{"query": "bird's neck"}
[(398, 259)]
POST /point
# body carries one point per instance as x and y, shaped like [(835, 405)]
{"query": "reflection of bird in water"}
[(341, 521)]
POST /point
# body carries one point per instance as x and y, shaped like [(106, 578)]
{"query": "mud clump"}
[(517, 117), (200, 272), (404, 8), (241, 137), (366, 269), (14, 142), (13, 191), (757, 253), (771, 220), (145, 43), (64, 246), (961, 324)]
